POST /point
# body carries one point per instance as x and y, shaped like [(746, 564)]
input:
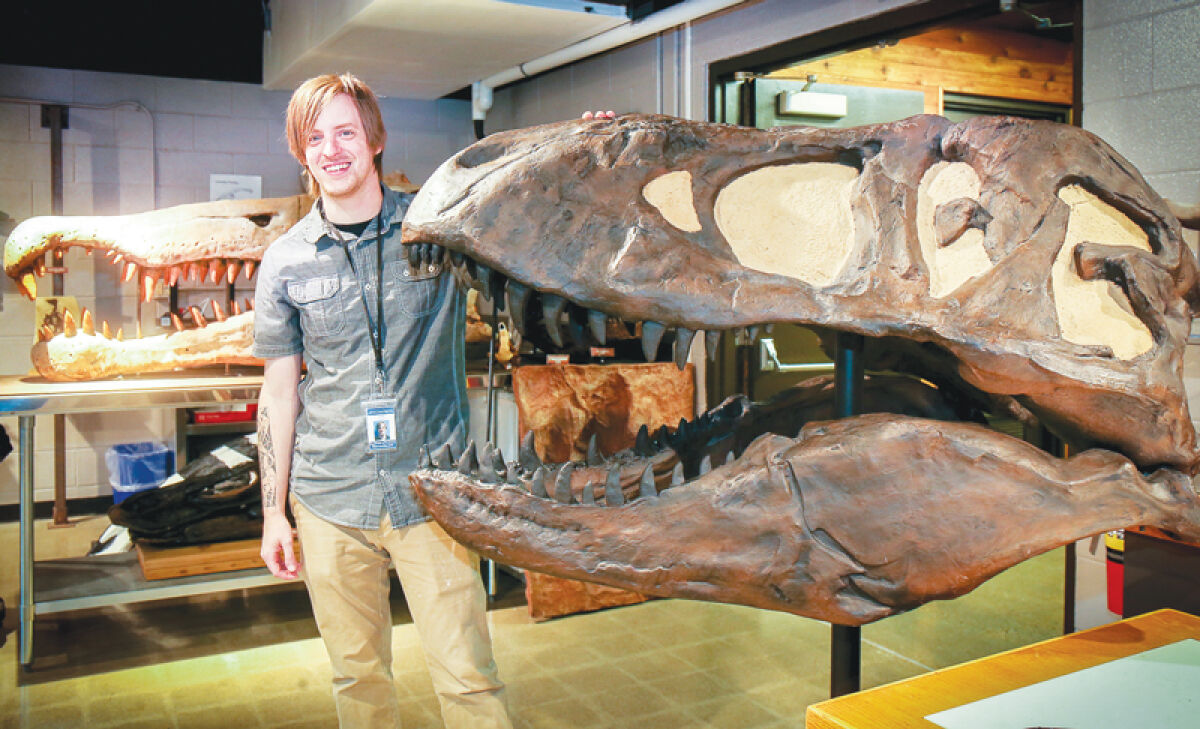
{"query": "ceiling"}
[(404, 48), (422, 50)]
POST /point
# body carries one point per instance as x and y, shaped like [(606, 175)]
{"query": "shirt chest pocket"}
[(415, 289), (321, 308)]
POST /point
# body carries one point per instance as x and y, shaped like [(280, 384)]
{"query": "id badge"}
[(380, 413)]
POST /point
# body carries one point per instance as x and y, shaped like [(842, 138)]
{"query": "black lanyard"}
[(374, 328)]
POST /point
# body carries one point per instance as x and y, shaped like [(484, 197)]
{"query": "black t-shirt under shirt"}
[(353, 230)]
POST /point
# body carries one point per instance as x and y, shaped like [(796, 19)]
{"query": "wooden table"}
[(904, 704)]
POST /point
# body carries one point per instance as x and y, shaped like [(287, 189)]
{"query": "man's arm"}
[(278, 406)]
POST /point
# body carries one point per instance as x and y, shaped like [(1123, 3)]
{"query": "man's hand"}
[(277, 549), (599, 115)]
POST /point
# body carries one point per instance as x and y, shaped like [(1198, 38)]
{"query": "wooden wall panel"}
[(1002, 64)]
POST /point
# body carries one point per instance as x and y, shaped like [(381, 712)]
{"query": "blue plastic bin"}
[(134, 467)]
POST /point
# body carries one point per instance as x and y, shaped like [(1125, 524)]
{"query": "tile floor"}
[(251, 658)]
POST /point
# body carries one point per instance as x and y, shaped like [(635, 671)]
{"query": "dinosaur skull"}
[(201, 241), (1023, 263)]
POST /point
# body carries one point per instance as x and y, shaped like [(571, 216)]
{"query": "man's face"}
[(337, 152)]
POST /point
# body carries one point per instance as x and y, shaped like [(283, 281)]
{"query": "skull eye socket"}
[(1097, 312), (948, 217)]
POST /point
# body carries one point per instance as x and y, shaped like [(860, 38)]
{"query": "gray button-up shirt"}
[(310, 301)]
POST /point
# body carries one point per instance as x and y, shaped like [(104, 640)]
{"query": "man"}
[(382, 342)]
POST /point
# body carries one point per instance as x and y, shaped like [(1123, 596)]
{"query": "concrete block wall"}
[(156, 150), (1141, 87)]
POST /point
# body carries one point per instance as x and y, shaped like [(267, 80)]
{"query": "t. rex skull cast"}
[(1024, 264), (201, 241)]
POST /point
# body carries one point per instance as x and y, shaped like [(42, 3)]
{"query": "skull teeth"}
[(567, 324)]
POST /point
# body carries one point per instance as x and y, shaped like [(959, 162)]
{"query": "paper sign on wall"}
[(234, 187)]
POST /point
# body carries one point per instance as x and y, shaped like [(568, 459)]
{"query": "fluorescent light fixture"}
[(810, 103), (574, 6)]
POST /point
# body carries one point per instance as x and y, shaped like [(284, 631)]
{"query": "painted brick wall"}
[(125, 159)]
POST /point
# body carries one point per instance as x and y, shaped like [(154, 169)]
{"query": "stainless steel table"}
[(83, 582)]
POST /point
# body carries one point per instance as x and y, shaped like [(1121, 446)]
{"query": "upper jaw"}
[(211, 240), (582, 186)]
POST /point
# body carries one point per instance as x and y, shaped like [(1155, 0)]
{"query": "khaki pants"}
[(345, 571)]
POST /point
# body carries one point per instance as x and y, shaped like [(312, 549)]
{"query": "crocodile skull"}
[(1022, 264), (202, 241)]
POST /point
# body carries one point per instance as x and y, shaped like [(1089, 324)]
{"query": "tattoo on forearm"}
[(266, 460)]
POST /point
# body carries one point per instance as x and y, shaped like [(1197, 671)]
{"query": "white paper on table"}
[(1155, 689)]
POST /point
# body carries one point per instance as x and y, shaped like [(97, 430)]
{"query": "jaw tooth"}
[(249, 304), (527, 455), (443, 459), (517, 295), (218, 312), (173, 275), (231, 273), (562, 484), (587, 497), (130, 271), (652, 333), (593, 452), (677, 474), (712, 343), (705, 464), (149, 279), (552, 308), (683, 345), (235, 307), (27, 284), (646, 489), (537, 484), (467, 462), (198, 317), (194, 271), (105, 330), (39, 267), (423, 458), (68, 323), (45, 333), (598, 324), (174, 320), (612, 488), (120, 334), (216, 268), (249, 268), (87, 323), (641, 445)]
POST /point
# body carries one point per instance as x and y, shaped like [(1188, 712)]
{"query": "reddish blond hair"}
[(311, 98)]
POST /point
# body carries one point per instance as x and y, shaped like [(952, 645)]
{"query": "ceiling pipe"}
[(676, 15)]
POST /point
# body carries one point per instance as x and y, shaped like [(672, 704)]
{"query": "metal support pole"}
[(489, 434), (54, 117), (845, 655), (25, 635)]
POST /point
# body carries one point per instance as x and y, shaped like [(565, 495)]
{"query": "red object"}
[(226, 416), (1115, 569)]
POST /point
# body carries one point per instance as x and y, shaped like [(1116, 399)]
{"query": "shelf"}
[(116, 579)]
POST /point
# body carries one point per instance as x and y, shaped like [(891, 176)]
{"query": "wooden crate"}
[(160, 563)]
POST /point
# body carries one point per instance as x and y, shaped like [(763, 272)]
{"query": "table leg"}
[(25, 637)]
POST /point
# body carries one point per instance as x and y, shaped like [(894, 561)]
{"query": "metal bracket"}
[(64, 115), (768, 360)]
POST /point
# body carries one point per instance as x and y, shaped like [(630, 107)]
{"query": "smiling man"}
[(382, 342)]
